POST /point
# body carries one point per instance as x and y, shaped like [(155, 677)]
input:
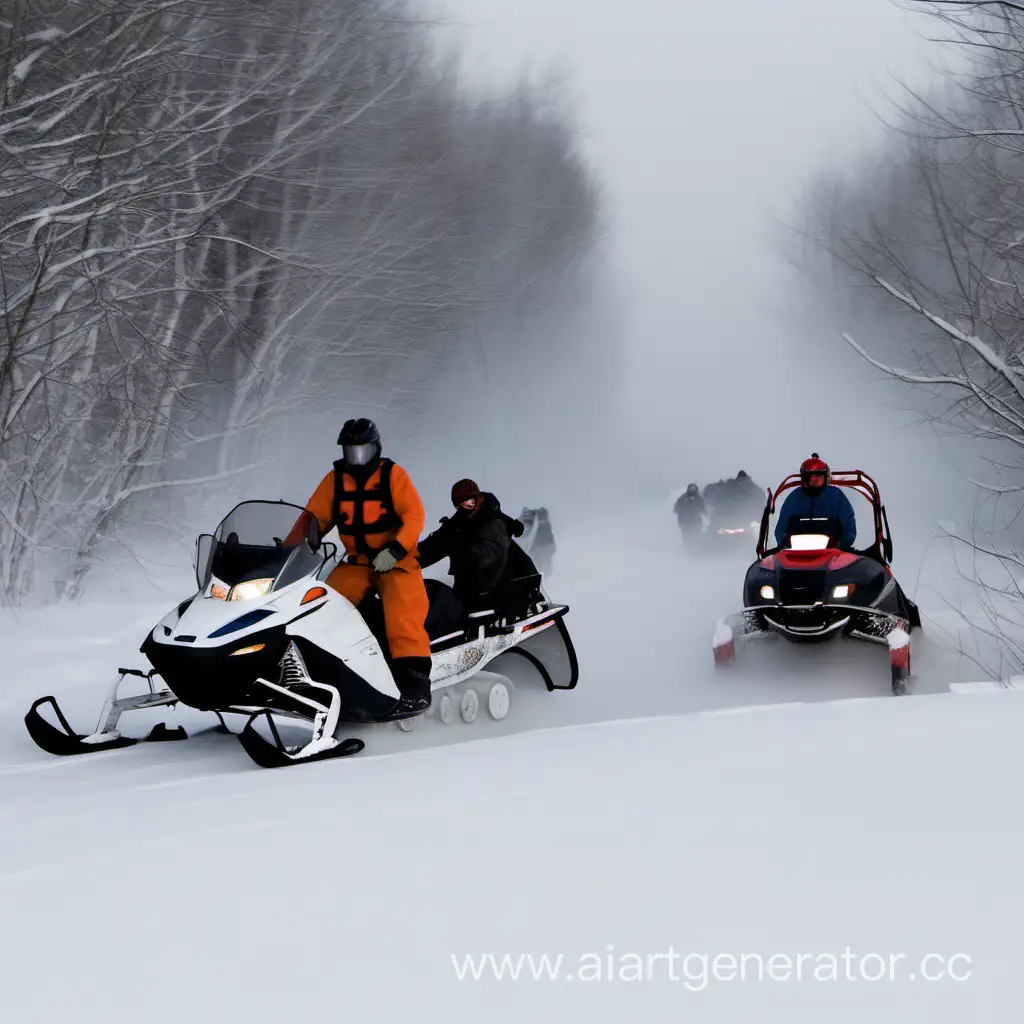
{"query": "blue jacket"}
[(831, 504)]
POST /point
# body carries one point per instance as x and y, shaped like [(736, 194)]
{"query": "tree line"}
[(926, 241), (217, 216)]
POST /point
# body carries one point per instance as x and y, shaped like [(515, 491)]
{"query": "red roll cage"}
[(856, 480)]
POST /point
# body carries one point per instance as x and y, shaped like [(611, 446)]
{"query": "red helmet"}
[(814, 467)]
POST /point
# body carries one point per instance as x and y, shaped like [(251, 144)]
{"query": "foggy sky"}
[(703, 123)]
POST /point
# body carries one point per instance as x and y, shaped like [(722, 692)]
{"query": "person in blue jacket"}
[(817, 497)]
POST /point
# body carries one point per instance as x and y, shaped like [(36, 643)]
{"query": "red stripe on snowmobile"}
[(843, 559), (830, 558), (806, 559), (537, 625)]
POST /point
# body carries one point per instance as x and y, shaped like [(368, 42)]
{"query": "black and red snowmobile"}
[(808, 590)]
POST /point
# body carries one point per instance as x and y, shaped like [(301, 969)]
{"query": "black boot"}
[(412, 676)]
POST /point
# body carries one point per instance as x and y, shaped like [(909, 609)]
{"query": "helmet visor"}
[(359, 454)]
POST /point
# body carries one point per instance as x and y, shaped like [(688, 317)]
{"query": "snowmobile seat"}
[(444, 616), (519, 597), (445, 612), (509, 602)]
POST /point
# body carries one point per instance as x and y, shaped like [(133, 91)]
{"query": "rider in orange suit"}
[(379, 517)]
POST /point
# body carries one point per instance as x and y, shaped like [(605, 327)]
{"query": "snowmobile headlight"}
[(248, 650), (809, 542), (843, 590), (250, 589), (768, 592), (217, 590)]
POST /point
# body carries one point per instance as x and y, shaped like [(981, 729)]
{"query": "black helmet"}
[(741, 475), (360, 444), (692, 489)]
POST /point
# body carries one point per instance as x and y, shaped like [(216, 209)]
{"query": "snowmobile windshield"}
[(248, 545), (813, 534)]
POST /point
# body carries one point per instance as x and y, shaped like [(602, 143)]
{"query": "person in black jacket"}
[(689, 509), (540, 542), (476, 540), (746, 494)]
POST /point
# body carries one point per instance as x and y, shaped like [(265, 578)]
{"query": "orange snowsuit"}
[(371, 513)]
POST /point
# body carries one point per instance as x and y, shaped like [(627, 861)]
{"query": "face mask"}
[(359, 454)]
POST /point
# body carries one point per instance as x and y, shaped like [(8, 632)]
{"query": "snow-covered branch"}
[(218, 216)]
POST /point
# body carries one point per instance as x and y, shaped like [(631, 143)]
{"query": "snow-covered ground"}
[(654, 819)]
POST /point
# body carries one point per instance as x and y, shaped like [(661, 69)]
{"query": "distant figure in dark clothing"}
[(539, 541), (689, 510), (714, 496), (745, 497)]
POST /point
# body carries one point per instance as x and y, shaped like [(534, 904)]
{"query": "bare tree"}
[(938, 235), (217, 217)]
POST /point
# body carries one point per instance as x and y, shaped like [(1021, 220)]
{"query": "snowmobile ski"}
[(276, 755), (899, 660), (66, 742)]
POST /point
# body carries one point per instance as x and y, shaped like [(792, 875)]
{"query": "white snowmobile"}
[(264, 636)]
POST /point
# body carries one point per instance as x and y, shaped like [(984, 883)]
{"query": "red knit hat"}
[(463, 491)]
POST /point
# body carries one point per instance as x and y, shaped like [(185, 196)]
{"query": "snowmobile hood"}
[(842, 580), (209, 622), (829, 559)]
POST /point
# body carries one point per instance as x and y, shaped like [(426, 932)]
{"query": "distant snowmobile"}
[(809, 591), (265, 637), (734, 512)]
